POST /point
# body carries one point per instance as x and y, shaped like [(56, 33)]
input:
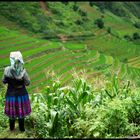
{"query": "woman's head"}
[(16, 56), (16, 61)]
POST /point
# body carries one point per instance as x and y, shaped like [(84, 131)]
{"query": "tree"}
[(137, 25), (75, 7), (82, 13), (99, 22), (109, 30), (65, 2), (128, 37), (136, 36), (91, 3), (78, 22)]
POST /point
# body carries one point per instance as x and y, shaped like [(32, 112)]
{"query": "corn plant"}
[(115, 89), (78, 96), (80, 111)]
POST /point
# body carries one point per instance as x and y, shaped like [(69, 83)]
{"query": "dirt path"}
[(44, 7)]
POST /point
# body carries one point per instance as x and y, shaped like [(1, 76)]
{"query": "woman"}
[(17, 104)]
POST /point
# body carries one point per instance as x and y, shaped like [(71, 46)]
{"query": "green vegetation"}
[(99, 23), (94, 43), (118, 8), (81, 110)]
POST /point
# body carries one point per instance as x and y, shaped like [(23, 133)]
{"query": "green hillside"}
[(63, 42), (38, 33), (44, 59)]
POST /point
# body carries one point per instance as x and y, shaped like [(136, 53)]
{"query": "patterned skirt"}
[(17, 106)]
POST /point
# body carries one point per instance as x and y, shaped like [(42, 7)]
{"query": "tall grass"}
[(82, 110)]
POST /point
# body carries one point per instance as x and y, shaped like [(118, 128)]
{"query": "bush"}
[(99, 22), (25, 14), (125, 60), (136, 36), (81, 111), (119, 11), (133, 108), (56, 11), (137, 25), (75, 7), (65, 2), (79, 22), (82, 13), (128, 37), (91, 3), (109, 30), (3, 119)]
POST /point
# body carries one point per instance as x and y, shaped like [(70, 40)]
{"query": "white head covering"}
[(17, 62), (16, 55)]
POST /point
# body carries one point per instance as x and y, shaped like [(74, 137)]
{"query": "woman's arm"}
[(4, 79), (26, 79)]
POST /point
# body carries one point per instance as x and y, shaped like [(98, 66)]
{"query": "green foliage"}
[(79, 22), (99, 22), (25, 14), (79, 111), (3, 119), (128, 37), (136, 36), (91, 3), (33, 17), (109, 30), (125, 60), (133, 109), (137, 25), (82, 13), (112, 117), (114, 7), (65, 2), (75, 7), (133, 8)]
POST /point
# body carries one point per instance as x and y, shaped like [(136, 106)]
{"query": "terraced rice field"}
[(134, 62), (45, 59)]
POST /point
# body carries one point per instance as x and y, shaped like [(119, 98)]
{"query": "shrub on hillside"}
[(25, 14), (125, 60), (99, 22), (65, 2), (109, 120), (3, 118), (82, 13), (137, 25), (136, 36), (56, 11), (134, 109), (119, 11), (75, 7), (83, 111), (109, 30), (79, 22), (85, 19), (128, 37), (91, 3), (114, 7)]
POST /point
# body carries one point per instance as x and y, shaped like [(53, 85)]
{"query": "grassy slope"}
[(102, 42), (40, 66), (106, 44), (110, 44)]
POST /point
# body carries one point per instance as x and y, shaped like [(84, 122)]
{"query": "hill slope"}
[(37, 31)]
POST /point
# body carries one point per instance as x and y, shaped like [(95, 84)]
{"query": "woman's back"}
[(17, 102)]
